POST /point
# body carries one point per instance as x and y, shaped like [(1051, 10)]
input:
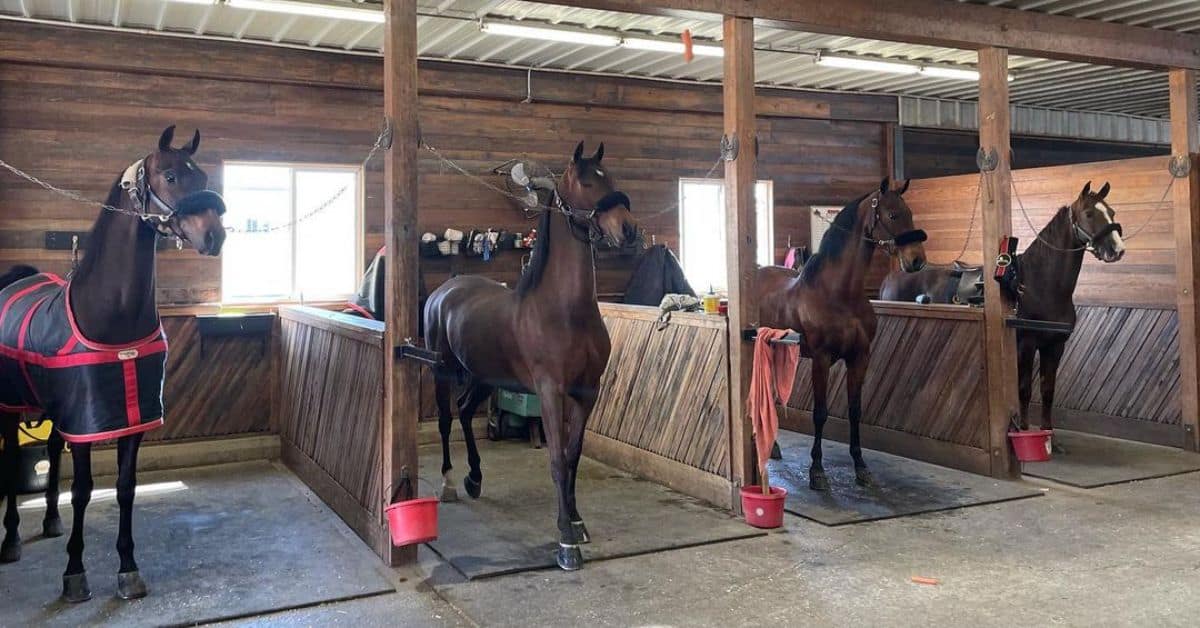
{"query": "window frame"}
[(769, 185), (359, 227)]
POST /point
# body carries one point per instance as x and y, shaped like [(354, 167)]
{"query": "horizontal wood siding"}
[(1146, 275), (926, 379), (330, 412), (666, 392)]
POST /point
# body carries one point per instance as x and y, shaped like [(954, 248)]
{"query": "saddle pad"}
[(93, 391)]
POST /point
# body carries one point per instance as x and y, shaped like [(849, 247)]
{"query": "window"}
[(702, 230), (295, 232), (821, 219)]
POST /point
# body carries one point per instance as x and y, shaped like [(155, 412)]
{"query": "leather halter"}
[(594, 234), (141, 195), (908, 237)]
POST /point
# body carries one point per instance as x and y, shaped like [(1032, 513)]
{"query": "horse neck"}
[(1047, 266), (113, 290), (570, 274), (845, 275)]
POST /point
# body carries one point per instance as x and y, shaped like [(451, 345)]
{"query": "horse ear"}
[(1087, 188), (904, 188), (883, 185), (1104, 190), (194, 144), (164, 140), (579, 151), (599, 152)]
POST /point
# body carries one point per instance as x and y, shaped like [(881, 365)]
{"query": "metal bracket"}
[(410, 351), (1026, 324), (1180, 166), (987, 160), (387, 134), (792, 337), (729, 148)]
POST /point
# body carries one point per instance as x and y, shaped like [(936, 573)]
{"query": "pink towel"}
[(771, 382)]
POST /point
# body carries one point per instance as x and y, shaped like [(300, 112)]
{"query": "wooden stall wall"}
[(663, 410), (925, 392), (1119, 375), (330, 413)]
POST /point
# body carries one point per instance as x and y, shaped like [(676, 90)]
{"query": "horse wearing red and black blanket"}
[(90, 353)]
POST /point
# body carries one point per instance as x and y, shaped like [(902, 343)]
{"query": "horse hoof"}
[(448, 494), (130, 586), (776, 454), (817, 481), (52, 528), (581, 533), (863, 477), (1055, 448), (11, 552), (75, 588), (569, 557), (474, 487)]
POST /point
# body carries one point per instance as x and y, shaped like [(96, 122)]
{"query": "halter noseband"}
[(908, 237)]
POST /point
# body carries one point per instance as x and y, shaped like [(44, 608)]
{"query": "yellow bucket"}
[(36, 435)]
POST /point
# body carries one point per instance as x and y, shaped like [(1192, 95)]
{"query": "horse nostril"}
[(918, 264), (209, 238)]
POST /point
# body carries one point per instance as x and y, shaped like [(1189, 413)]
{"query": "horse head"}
[(587, 187), (1095, 224), (892, 226), (179, 187)]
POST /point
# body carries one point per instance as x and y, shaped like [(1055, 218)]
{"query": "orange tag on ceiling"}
[(686, 36)]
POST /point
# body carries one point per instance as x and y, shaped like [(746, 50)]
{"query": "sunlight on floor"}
[(104, 494)]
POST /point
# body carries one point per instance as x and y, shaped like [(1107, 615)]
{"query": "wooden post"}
[(1000, 351), (1185, 143), (740, 232), (401, 379)]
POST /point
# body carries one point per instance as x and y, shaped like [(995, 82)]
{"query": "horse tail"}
[(16, 273)]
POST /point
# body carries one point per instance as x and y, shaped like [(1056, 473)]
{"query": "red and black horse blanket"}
[(92, 391)]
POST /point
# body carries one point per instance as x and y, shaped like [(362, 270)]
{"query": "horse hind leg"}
[(442, 385), (10, 550), (52, 526), (130, 585), (474, 395)]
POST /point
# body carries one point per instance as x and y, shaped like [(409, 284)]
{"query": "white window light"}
[(550, 34), (860, 63), (660, 45), (311, 9), (209, 2)]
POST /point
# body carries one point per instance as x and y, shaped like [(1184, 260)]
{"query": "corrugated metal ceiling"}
[(449, 29)]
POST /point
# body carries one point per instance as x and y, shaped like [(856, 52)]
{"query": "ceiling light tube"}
[(208, 2), (950, 73), (311, 9), (659, 45), (549, 34), (860, 63)]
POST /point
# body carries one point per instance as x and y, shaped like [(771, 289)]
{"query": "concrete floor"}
[(1119, 555)]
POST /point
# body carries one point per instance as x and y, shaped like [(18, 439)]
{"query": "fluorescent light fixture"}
[(550, 34), (950, 73), (196, 1), (659, 45), (311, 9), (859, 63)]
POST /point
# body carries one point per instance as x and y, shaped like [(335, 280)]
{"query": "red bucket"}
[(413, 521), (1031, 446), (763, 511)]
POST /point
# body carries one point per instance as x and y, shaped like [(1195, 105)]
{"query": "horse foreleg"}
[(130, 585), (856, 373), (52, 523), (554, 403), (75, 583), (1051, 356), (10, 550), (445, 421), (817, 480), (577, 411), (475, 395), (1026, 351)]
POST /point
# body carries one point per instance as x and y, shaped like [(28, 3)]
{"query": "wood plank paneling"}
[(926, 380), (1144, 277)]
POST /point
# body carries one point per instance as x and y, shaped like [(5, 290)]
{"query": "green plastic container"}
[(520, 404)]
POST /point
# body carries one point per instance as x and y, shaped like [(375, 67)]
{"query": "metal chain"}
[(69, 194), (971, 225)]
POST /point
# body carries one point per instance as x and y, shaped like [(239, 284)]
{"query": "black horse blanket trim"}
[(92, 391)]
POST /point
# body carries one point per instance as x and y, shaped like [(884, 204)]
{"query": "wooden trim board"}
[(698, 483)]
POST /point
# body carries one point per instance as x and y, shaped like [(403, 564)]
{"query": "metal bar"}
[(1028, 324), (409, 351)]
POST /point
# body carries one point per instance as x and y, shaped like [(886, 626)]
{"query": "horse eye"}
[(893, 215), (170, 176)]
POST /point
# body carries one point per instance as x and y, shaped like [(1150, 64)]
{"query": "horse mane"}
[(1038, 250), (537, 259), (840, 234)]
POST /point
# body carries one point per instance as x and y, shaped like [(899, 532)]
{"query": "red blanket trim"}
[(99, 346), (111, 434)]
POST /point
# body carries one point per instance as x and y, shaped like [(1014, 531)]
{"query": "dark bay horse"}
[(90, 352), (958, 283), (827, 304), (1047, 273), (546, 337)]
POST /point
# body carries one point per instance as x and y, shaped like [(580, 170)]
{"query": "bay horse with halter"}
[(546, 337), (826, 303), (90, 352), (1046, 275)]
